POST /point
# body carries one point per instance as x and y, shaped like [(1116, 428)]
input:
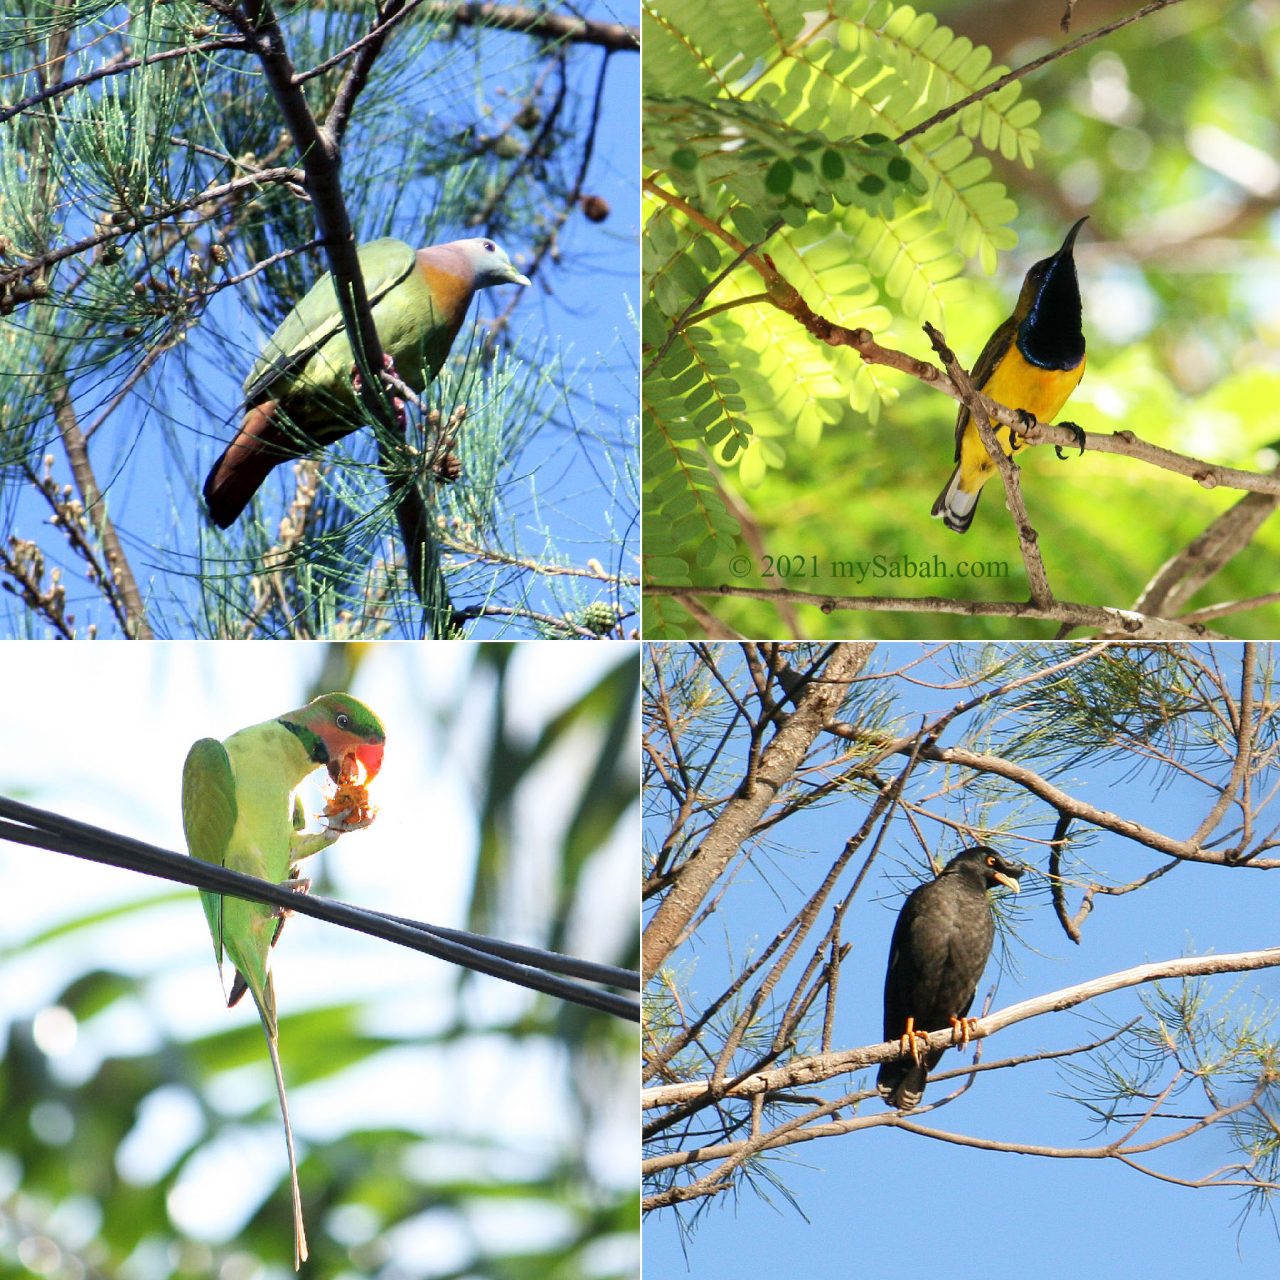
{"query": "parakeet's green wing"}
[(383, 263), (208, 817)]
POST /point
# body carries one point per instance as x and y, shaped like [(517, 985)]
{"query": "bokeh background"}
[(447, 1125)]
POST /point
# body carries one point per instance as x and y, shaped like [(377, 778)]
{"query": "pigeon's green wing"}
[(317, 318)]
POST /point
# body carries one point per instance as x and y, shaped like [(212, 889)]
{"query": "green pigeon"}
[(239, 810), (300, 396)]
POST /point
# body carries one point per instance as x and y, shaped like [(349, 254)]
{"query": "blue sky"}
[(880, 1200)]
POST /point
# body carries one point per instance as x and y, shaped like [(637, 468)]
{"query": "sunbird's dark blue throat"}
[(1050, 336)]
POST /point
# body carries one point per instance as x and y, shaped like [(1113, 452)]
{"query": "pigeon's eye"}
[(490, 247)]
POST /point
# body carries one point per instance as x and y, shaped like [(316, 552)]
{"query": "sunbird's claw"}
[(1028, 420), (1076, 431)]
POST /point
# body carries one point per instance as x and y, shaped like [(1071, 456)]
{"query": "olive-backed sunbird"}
[(1033, 362)]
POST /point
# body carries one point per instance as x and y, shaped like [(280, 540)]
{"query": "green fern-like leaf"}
[(689, 396), (703, 48), (771, 127), (711, 152)]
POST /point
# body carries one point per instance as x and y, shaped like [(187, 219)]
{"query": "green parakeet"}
[(299, 395), (239, 810)]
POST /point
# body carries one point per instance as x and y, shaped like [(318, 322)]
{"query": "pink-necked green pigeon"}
[(299, 396)]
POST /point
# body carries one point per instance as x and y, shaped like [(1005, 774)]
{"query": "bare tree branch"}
[(701, 871), (808, 1071), (1110, 621)]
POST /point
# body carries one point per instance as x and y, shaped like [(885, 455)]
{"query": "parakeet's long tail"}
[(299, 1231)]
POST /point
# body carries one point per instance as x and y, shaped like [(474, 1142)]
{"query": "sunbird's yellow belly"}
[(1016, 384)]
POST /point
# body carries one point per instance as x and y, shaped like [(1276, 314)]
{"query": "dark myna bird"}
[(940, 947)]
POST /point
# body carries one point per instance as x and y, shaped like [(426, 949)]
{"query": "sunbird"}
[(1032, 363), (240, 810)]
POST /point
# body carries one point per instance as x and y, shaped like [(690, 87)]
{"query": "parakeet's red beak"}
[(369, 754)]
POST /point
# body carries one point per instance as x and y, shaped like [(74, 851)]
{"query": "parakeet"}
[(299, 396), (239, 810)]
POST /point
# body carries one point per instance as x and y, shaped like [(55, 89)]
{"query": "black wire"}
[(527, 966), (549, 961)]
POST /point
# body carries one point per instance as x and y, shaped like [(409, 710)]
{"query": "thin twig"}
[(1122, 622), (996, 85), (1028, 543)]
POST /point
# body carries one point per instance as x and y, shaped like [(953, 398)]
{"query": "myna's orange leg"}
[(911, 1039), (962, 1029)]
